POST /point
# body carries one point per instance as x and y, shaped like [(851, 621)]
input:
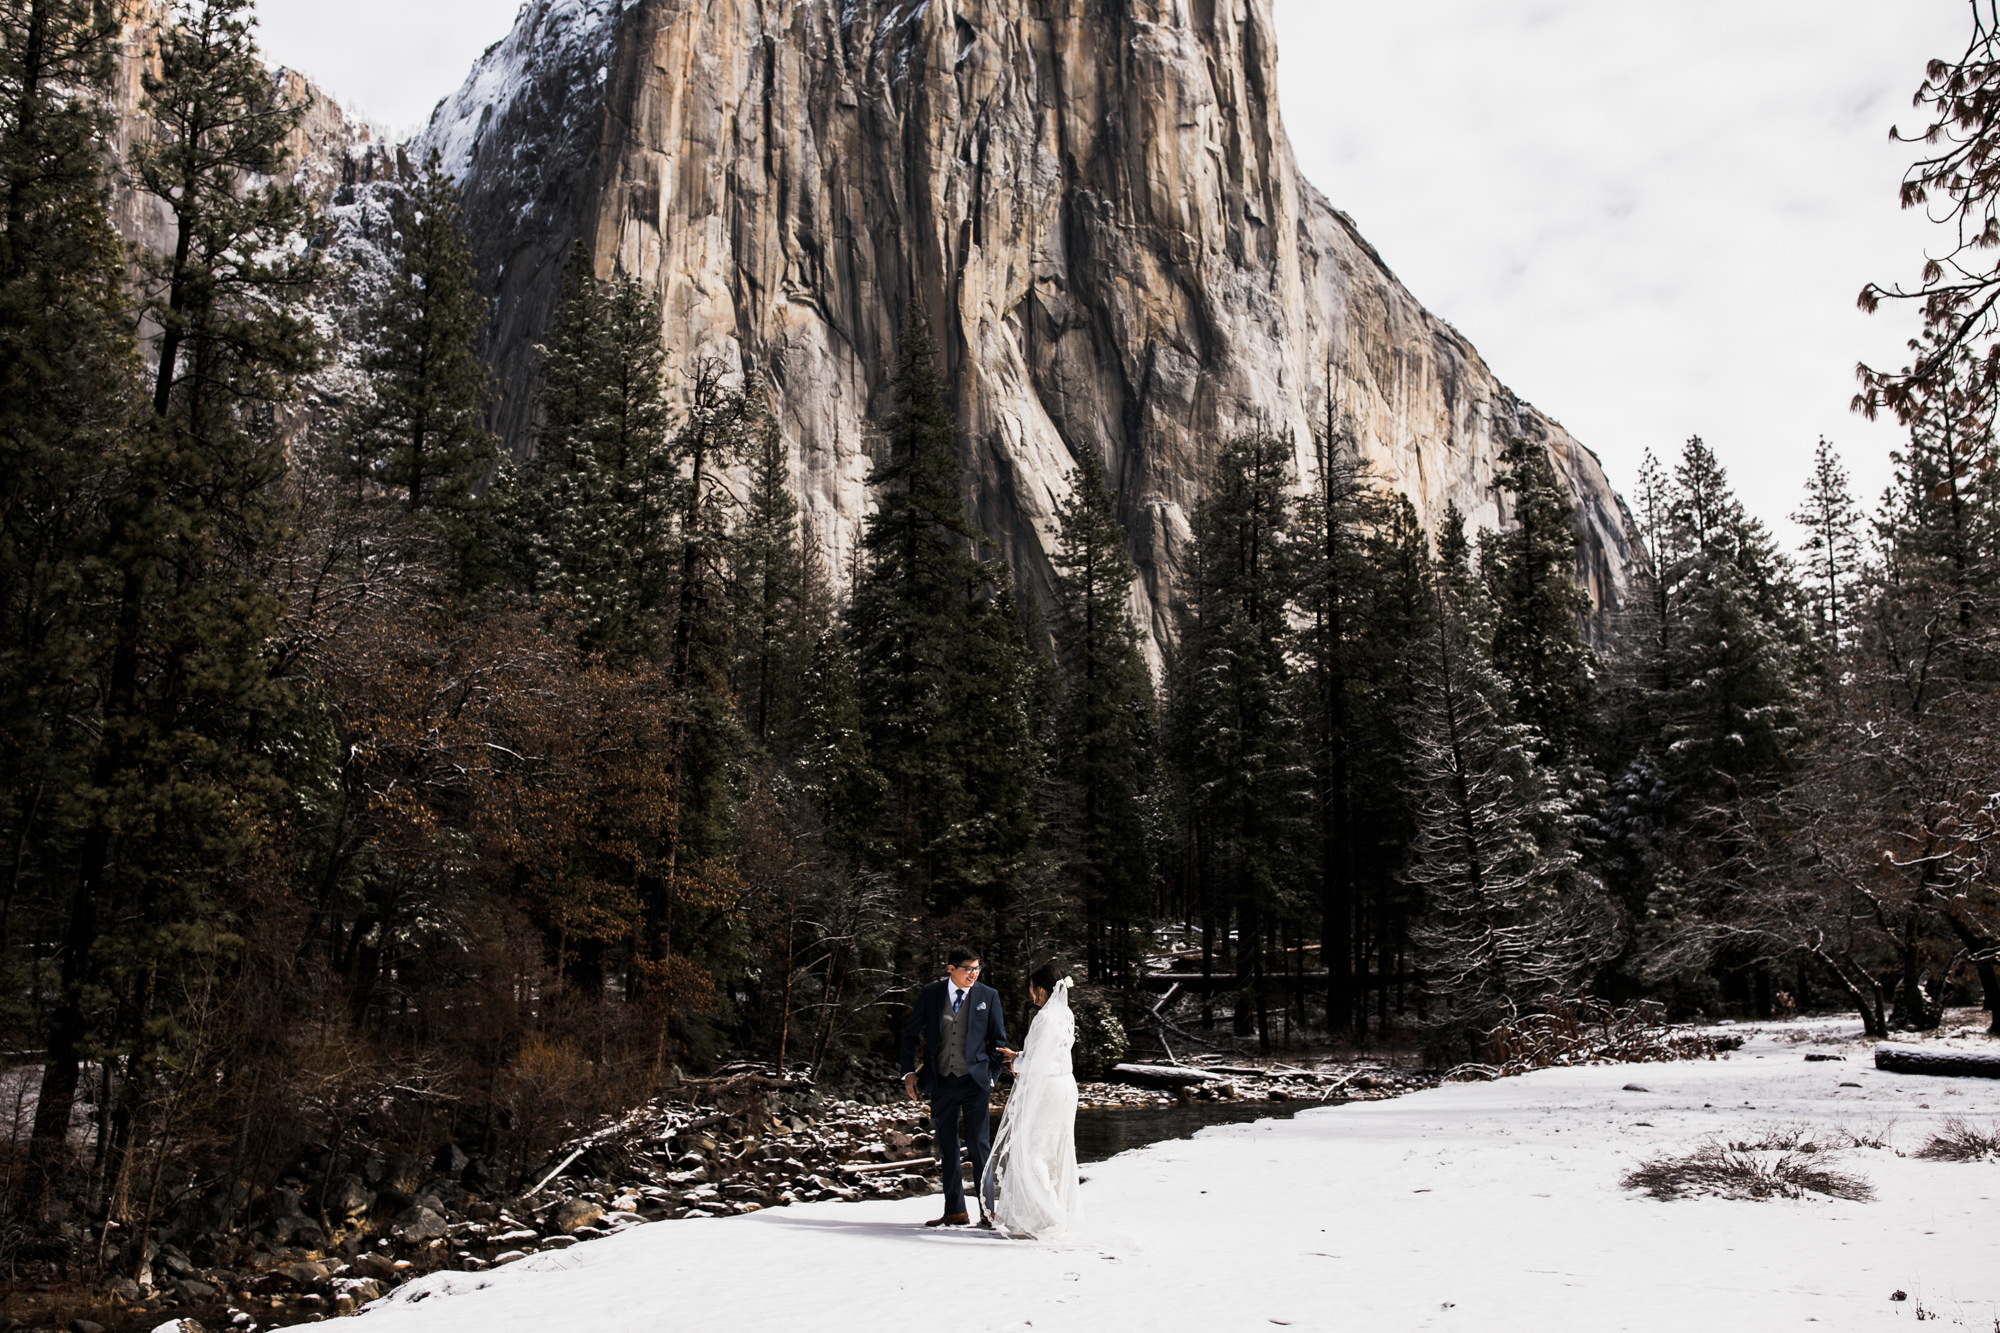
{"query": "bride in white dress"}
[(1030, 1189)]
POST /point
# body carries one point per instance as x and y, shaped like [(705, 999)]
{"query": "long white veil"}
[(1030, 1187)]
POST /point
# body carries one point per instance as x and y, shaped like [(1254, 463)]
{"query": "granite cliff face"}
[(1094, 200)]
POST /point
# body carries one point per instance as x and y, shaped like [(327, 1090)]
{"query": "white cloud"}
[(1652, 219), (391, 60)]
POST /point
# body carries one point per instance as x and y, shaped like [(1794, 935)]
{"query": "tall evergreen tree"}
[(1364, 586), (1235, 726), (1731, 663), (1104, 731), (941, 669), (716, 433), (707, 735), (1538, 610), (421, 430), (68, 377), (593, 514), (1939, 531), (1363, 580), (1383, 820), (780, 596), (1830, 519), (1510, 918), (178, 792)]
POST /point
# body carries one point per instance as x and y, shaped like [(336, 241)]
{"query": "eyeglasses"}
[(973, 968)]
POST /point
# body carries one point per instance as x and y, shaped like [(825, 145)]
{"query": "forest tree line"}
[(360, 781)]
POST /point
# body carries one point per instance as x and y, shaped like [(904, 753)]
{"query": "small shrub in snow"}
[(1584, 1032), (1810, 1139), (1864, 1136), (1745, 1171), (1962, 1141)]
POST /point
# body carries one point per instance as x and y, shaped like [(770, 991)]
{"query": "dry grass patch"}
[(1781, 1164), (1962, 1141)]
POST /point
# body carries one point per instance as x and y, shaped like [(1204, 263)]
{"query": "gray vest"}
[(951, 1031)]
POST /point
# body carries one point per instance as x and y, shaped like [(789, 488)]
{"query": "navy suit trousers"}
[(955, 1102)]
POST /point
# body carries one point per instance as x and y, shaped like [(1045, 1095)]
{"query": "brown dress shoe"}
[(949, 1220)]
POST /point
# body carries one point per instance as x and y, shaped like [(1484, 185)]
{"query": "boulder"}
[(418, 1224), (300, 1231), (280, 1203), (481, 1176), (348, 1196), (401, 1174), (378, 1267), (302, 1276), (574, 1213)]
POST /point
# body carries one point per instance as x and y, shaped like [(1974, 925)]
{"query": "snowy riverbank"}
[(1481, 1207)]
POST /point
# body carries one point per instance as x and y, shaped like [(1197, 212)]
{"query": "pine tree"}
[(780, 601), (1731, 663), (1104, 728), (179, 792), (707, 734), (940, 662), (68, 381), (1338, 582), (421, 429), (66, 357), (1509, 918), (1235, 727), (1538, 610), (1829, 517), (1396, 616), (593, 510), (1364, 583), (1939, 530)]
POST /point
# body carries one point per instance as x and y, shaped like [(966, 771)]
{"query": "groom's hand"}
[(1008, 1056), (910, 1086)]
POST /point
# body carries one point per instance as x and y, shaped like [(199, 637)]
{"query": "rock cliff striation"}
[(1094, 201)]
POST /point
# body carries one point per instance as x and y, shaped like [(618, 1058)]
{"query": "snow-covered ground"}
[(1482, 1207)]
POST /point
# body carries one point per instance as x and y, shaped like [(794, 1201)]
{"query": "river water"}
[(1110, 1131)]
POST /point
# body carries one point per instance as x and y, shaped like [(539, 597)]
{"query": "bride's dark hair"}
[(1045, 978)]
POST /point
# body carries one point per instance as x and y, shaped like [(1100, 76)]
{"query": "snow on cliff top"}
[(1481, 1207), (548, 35)]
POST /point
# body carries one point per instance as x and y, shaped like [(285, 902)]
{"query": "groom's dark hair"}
[(962, 955)]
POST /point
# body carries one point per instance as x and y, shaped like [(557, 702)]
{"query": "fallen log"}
[(1939, 1064), (1164, 1076)]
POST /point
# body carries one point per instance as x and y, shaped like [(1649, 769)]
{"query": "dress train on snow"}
[(1030, 1188)]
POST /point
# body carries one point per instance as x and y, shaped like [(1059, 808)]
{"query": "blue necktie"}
[(956, 996)]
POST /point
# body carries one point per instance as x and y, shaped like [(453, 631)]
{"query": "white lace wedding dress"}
[(1030, 1189)]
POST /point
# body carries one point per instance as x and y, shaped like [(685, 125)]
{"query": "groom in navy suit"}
[(958, 1023)]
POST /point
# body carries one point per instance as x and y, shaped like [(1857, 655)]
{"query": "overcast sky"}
[(1652, 219)]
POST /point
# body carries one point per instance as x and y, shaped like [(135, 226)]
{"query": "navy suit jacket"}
[(985, 1033)]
